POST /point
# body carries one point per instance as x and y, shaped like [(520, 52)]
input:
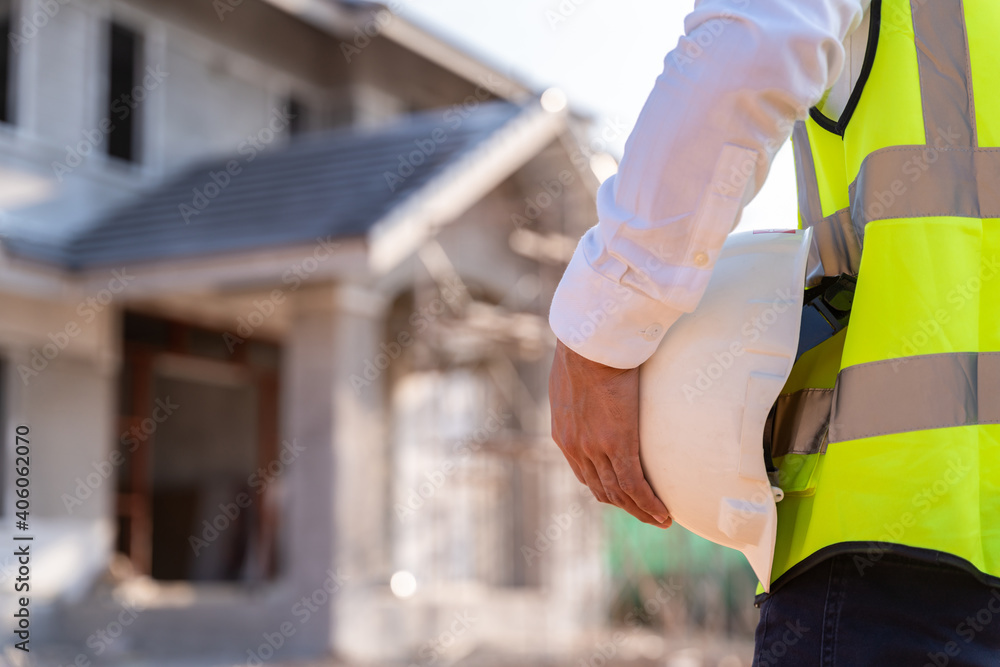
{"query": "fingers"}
[(593, 481), (634, 486), (624, 487), (618, 497), (575, 468), (595, 412), (624, 491)]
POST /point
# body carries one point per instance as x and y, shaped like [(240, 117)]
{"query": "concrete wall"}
[(222, 79), (60, 381), (215, 80), (211, 84)]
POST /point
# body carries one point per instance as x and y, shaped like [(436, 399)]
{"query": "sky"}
[(604, 54)]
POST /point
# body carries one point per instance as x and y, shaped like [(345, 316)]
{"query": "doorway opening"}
[(198, 428)]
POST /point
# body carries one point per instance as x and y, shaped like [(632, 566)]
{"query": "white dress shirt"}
[(724, 104)]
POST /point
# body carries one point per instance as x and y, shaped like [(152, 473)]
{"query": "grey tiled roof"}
[(325, 184)]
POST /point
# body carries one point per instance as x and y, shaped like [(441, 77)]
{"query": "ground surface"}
[(613, 650)]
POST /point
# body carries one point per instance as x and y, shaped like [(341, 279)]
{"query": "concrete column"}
[(335, 527), (308, 418), (367, 617), (361, 430), (359, 384)]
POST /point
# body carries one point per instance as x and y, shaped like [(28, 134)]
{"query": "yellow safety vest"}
[(887, 436)]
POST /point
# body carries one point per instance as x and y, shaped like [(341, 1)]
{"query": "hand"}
[(595, 422)]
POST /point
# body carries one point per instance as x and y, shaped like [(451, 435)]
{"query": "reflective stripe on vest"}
[(889, 435), (895, 396)]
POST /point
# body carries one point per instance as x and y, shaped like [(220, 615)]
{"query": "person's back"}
[(910, 173), (887, 436)]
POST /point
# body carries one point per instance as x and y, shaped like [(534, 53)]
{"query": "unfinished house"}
[(274, 279)]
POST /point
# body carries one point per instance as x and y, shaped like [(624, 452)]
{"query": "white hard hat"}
[(706, 392)]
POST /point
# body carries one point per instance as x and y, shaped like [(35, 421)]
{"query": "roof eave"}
[(447, 56), (344, 22), (337, 259), (456, 188), (332, 17)]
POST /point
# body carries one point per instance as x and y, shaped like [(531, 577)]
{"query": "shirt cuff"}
[(604, 321)]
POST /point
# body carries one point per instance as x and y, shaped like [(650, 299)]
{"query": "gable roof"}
[(334, 184)]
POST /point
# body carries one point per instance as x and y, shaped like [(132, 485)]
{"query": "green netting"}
[(638, 548)]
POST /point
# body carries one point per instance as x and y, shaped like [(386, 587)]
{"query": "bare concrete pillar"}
[(335, 496), (308, 493), (361, 464)]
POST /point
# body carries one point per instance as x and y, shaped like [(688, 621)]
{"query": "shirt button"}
[(701, 259), (652, 332)]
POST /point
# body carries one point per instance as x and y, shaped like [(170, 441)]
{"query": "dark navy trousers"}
[(847, 611)]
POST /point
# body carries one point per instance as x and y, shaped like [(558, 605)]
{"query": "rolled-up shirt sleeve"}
[(724, 104)]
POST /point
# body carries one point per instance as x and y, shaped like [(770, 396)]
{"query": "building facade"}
[(274, 279)]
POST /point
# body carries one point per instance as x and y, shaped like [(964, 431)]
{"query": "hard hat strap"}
[(826, 310)]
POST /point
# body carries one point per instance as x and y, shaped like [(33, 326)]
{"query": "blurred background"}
[(274, 280)]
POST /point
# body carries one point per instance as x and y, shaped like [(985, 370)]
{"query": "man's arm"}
[(701, 149)]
